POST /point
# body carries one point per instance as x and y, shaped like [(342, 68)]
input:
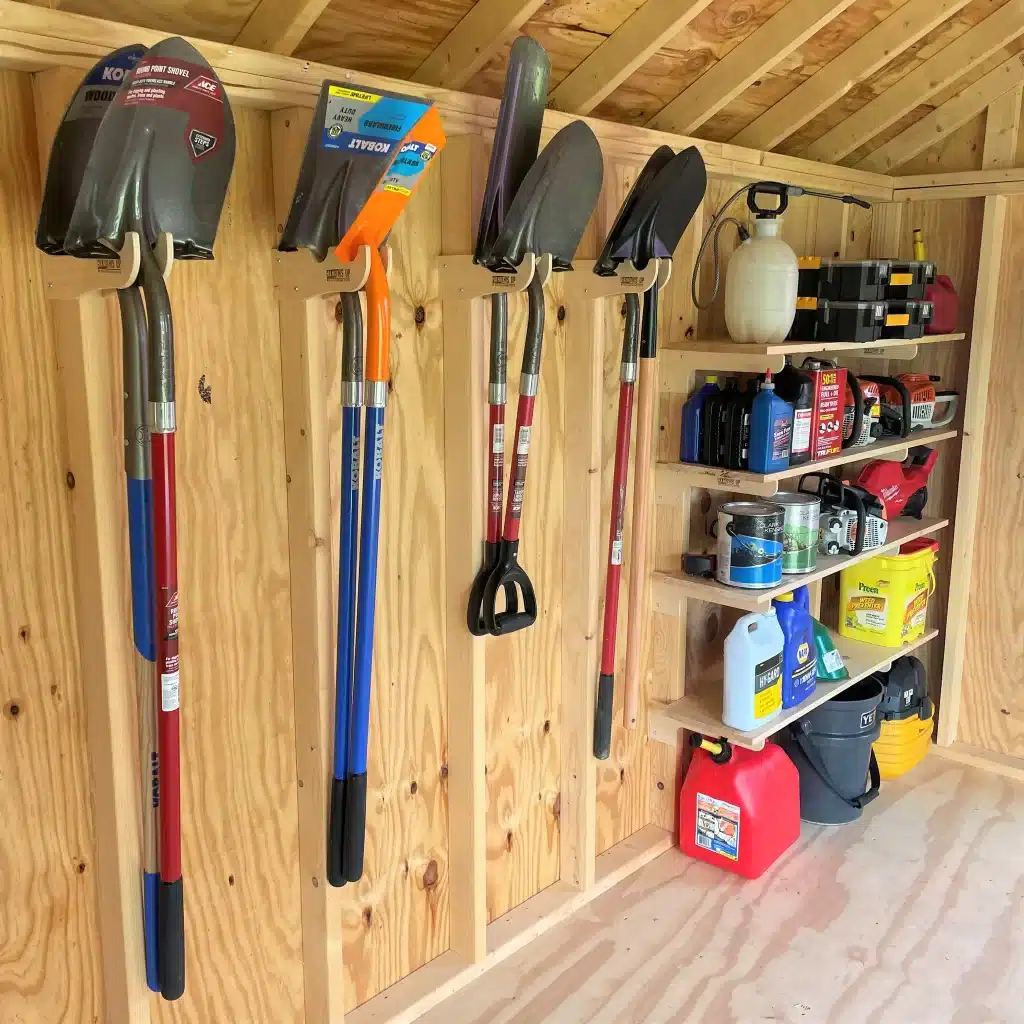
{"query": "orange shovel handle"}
[(378, 312)]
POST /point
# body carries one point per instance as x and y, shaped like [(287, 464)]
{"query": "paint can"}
[(799, 532), (750, 544)]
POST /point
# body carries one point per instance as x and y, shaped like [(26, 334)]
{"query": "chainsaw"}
[(852, 519), (910, 401), (900, 486)]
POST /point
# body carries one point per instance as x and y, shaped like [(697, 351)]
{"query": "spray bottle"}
[(762, 280)]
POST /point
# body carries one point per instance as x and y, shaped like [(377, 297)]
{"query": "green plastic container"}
[(830, 661)]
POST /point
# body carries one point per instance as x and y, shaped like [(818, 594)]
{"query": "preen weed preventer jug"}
[(885, 599)]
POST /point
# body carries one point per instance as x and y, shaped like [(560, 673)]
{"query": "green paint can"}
[(799, 532)]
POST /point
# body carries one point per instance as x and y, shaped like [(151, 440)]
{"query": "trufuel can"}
[(799, 532), (750, 544)]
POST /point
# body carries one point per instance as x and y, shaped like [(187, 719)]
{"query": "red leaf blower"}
[(900, 486)]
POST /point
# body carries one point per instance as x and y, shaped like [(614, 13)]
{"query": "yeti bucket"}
[(831, 747)]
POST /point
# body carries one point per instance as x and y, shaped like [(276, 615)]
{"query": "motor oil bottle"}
[(799, 655), (736, 440), (738, 809), (713, 438), (797, 388), (691, 442), (771, 430), (753, 671)]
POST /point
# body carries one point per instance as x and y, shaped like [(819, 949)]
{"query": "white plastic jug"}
[(761, 285), (753, 671)]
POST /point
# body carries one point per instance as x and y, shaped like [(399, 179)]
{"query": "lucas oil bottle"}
[(753, 671), (799, 655)]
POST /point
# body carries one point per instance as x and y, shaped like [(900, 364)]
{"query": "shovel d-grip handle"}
[(508, 573), (475, 617)]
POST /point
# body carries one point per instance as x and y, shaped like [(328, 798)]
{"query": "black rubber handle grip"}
[(603, 716), (354, 835), (335, 835), (171, 940), (505, 623)]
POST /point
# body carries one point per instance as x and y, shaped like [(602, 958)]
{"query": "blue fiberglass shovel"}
[(68, 158), (337, 178)]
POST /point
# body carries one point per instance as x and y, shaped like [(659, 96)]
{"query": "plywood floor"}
[(915, 915)]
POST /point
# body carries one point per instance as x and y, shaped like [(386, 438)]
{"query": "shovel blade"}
[(666, 208), (550, 211), (73, 143), (353, 139), (516, 138), (617, 240), (162, 158)]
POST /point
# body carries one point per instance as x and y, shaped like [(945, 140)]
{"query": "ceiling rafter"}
[(764, 49), (278, 27), (484, 29), (935, 126), (919, 85), (858, 61), (1002, 129), (632, 44)]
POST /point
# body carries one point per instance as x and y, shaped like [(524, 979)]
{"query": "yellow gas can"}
[(884, 600)]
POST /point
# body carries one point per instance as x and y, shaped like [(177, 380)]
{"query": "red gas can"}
[(739, 809)]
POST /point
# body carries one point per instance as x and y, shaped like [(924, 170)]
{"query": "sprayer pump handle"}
[(768, 188)]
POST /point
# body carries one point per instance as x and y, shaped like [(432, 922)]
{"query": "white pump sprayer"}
[(763, 274)]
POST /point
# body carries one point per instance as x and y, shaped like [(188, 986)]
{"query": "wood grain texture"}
[(524, 670), (396, 918), (238, 762), (991, 709), (685, 942), (50, 966)]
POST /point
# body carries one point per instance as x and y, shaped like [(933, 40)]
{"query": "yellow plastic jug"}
[(884, 600)]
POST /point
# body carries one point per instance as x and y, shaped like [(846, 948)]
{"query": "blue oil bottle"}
[(771, 430), (799, 654), (694, 422)]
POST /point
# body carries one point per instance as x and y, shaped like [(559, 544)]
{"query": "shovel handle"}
[(646, 381), (509, 573), (475, 617)]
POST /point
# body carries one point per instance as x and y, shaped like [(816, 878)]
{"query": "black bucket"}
[(831, 748)]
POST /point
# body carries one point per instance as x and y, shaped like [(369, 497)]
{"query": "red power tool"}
[(900, 486)]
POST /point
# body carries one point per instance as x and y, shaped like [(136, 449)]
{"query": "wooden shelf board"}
[(670, 589), (874, 348), (702, 712), (672, 475)]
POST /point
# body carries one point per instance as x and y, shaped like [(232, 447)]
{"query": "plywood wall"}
[(240, 807), (992, 710), (49, 959)]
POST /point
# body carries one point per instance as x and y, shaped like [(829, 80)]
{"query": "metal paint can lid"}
[(751, 508)]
